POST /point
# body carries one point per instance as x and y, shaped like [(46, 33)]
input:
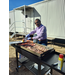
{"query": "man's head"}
[(37, 22)]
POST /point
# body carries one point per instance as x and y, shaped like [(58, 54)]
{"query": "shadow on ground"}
[(12, 68), (58, 42)]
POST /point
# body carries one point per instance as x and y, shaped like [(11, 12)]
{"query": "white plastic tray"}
[(36, 66)]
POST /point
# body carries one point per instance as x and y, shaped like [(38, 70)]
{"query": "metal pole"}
[(14, 25), (33, 18), (30, 20), (25, 20)]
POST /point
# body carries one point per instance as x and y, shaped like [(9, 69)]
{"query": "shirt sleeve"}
[(41, 34), (32, 32)]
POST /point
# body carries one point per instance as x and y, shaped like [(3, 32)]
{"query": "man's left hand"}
[(29, 38)]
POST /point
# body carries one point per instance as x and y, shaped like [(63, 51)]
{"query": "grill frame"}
[(36, 59), (50, 50)]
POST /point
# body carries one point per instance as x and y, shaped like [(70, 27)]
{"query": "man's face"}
[(37, 23)]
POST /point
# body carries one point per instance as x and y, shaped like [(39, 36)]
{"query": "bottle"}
[(23, 40), (60, 61)]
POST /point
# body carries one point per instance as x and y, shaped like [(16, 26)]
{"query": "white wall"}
[(53, 17), (18, 21), (11, 17), (56, 19)]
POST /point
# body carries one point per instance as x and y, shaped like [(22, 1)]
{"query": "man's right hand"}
[(27, 35)]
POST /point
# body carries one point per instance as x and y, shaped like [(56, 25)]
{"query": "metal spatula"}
[(25, 39)]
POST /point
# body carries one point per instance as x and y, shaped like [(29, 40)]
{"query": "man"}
[(41, 33)]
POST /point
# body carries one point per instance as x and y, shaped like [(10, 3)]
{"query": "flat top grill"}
[(36, 49), (49, 56)]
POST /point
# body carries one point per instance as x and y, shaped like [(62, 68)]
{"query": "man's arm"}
[(43, 31), (32, 32)]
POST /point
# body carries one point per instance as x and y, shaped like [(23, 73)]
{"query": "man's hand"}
[(27, 35), (29, 38)]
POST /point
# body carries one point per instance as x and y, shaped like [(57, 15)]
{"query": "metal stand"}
[(46, 61), (17, 60)]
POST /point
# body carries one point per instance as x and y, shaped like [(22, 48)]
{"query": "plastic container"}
[(21, 56), (23, 40), (60, 61)]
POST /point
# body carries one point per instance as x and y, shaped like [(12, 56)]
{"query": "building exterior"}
[(50, 12)]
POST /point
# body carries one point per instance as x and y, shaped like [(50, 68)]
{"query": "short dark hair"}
[(38, 20)]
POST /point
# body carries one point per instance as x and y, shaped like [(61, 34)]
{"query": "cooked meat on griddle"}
[(41, 48), (34, 47)]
